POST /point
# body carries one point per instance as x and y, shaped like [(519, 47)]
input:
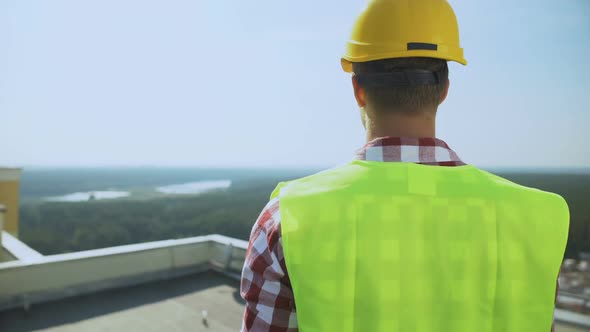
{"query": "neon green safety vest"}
[(377, 246)]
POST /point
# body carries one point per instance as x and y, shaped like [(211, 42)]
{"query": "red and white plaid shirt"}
[(270, 304)]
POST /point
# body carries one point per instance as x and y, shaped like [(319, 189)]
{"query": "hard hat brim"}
[(347, 61)]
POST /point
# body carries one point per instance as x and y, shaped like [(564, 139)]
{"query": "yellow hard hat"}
[(404, 28)]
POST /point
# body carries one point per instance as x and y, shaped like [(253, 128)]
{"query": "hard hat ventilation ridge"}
[(422, 46)]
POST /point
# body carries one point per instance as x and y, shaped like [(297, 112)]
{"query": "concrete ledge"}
[(571, 317), (19, 249), (40, 278)]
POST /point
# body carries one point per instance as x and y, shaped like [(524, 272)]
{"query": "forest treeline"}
[(53, 228)]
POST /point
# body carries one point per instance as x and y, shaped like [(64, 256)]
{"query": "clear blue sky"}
[(258, 83)]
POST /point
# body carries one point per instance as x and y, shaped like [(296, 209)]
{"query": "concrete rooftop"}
[(167, 305)]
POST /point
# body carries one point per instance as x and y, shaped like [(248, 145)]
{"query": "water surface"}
[(195, 187), (88, 196)]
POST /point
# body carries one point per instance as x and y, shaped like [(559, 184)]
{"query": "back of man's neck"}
[(402, 125)]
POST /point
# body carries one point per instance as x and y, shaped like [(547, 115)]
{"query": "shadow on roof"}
[(209, 290)]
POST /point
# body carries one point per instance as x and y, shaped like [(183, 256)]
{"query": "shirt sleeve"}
[(265, 284)]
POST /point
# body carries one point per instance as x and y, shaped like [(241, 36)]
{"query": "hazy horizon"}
[(529, 169)]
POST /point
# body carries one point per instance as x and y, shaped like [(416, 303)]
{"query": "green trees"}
[(53, 228)]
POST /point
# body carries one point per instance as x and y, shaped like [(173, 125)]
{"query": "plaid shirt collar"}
[(424, 150)]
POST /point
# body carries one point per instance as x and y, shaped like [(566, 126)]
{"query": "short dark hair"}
[(405, 98)]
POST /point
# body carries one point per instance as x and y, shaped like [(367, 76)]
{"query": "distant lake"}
[(87, 196), (194, 187), (189, 188)]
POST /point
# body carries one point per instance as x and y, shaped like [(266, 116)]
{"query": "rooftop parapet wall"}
[(44, 278)]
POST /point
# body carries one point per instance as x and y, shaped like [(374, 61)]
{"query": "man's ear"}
[(446, 92), (359, 92)]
